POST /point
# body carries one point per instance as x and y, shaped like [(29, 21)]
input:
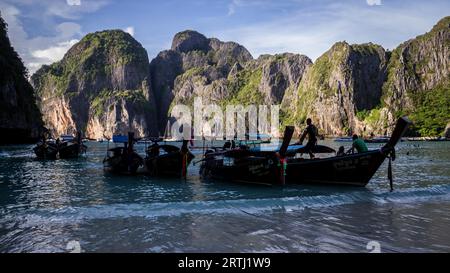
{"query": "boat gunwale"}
[(292, 161)]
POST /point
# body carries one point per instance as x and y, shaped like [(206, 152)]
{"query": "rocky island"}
[(106, 85)]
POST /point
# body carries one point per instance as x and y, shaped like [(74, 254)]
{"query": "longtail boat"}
[(281, 165), (168, 160), (46, 149), (123, 160), (243, 164), (351, 169), (64, 147), (71, 147)]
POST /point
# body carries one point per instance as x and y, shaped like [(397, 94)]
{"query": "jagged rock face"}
[(189, 41), (101, 87), (20, 120), (105, 84), (195, 66), (163, 70), (228, 54), (221, 72), (350, 89), (281, 73), (343, 81), (417, 67)]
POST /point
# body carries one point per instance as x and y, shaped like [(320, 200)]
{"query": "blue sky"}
[(43, 30)]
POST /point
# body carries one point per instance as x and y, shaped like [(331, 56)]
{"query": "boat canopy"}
[(253, 136), (292, 149), (120, 139), (67, 138), (274, 148)]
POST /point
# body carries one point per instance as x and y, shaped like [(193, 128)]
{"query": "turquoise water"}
[(44, 205)]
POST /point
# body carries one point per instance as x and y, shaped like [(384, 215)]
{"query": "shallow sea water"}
[(44, 205)]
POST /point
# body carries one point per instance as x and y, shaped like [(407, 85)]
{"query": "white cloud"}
[(130, 30), (74, 2), (313, 30), (232, 7), (73, 10), (38, 50), (54, 53), (373, 2)]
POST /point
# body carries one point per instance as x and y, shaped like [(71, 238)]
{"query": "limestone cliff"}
[(221, 72), (101, 87), (105, 84), (418, 82), (194, 66), (20, 120), (343, 82)]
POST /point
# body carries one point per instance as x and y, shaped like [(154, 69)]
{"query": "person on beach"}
[(312, 132), (358, 144)]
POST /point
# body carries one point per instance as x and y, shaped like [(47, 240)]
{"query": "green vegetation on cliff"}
[(245, 88), (96, 55), (418, 80), (432, 113), (135, 97), (20, 119), (106, 72), (346, 82)]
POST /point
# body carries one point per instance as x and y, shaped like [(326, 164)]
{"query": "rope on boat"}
[(391, 157), (184, 166)]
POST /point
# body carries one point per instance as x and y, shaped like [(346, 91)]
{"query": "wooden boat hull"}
[(244, 167), (46, 151), (122, 164), (267, 167), (375, 140), (355, 169), (170, 164), (71, 150)]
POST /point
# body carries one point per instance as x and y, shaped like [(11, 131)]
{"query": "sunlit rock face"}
[(105, 85), (101, 87)]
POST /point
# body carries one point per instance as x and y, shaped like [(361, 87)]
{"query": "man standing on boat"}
[(358, 144), (312, 133)]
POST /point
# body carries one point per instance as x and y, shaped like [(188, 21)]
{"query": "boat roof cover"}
[(292, 149), (253, 136), (120, 139), (66, 137), (166, 148), (275, 148)]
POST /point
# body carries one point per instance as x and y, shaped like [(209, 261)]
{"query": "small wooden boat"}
[(247, 165), (377, 140), (168, 160), (64, 147), (70, 147), (46, 150), (281, 165), (123, 160), (351, 169), (343, 139)]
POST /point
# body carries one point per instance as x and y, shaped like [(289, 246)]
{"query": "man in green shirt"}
[(358, 144)]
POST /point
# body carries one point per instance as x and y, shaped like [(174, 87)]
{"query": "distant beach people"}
[(358, 144), (312, 132)]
